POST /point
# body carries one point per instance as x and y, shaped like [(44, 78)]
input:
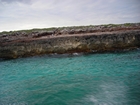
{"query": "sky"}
[(28, 14)]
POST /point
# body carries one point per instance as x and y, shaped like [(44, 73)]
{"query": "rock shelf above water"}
[(91, 38)]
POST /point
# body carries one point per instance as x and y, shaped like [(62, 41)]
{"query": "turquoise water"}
[(91, 79)]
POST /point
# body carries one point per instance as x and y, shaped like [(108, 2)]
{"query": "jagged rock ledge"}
[(67, 40)]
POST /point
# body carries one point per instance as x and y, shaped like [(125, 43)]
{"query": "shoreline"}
[(75, 54)]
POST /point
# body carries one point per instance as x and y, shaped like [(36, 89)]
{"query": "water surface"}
[(92, 79)]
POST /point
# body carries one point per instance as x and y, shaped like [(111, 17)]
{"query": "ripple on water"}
[(75, 79)]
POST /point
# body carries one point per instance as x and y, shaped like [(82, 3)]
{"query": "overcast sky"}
[(28, 14)]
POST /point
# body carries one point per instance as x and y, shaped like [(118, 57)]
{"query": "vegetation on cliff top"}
[(70, 27)]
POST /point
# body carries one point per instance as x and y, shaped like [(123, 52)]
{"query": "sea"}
[(72, 79)]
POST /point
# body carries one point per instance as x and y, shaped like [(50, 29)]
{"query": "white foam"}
[(93, 99), (75, 54)]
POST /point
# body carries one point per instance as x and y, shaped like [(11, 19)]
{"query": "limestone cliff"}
[(64, 41)]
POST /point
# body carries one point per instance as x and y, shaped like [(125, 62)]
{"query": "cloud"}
[(24, 14), (13, 1)]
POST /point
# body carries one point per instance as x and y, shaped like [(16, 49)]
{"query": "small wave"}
[(94, 51), (95, 101), (75, 54), (15, 103), (138, 49)]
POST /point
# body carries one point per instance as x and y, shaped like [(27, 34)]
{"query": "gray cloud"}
[(49, 13), (12, 1)]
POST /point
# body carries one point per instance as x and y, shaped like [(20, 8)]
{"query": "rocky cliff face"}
[(44, 43)]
